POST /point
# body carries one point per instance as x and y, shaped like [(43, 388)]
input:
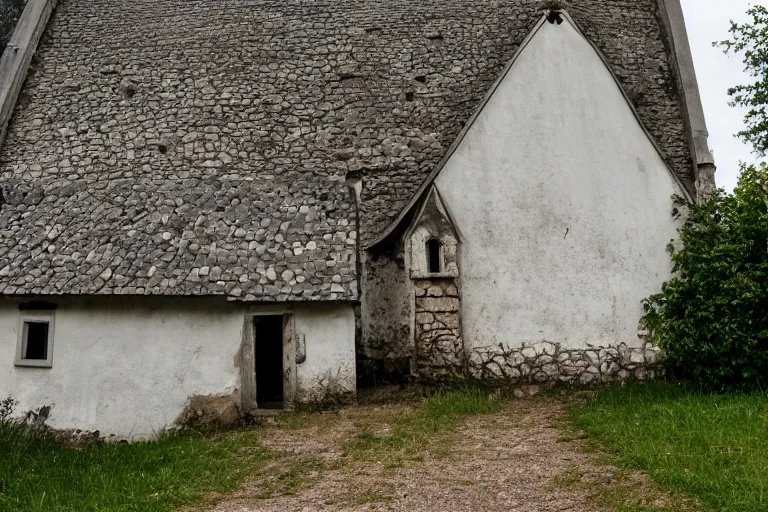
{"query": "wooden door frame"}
[(248, 361)]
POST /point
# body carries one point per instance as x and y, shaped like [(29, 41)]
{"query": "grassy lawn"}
[(712, 447), (38, 476)]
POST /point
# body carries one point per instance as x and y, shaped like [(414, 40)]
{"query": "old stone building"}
[(219, 206)]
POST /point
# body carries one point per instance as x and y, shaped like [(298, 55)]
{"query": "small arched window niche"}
[(434, 256), (432, 242)]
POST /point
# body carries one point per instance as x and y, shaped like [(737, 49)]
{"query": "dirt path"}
[(518, 459)]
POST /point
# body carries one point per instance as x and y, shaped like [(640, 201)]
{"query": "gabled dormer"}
[(432, 241)]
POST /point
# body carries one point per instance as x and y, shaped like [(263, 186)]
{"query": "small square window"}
[(35, 344)]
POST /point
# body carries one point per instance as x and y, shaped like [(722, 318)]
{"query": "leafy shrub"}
[(711, 319)]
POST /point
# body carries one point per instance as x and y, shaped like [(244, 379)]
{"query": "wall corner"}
[(673, 20)]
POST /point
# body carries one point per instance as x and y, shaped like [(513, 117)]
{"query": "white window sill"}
[(33, 363)]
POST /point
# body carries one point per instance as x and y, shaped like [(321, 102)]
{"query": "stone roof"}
[(201, 147)]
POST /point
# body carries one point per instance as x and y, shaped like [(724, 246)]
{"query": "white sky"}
[(708, 21)]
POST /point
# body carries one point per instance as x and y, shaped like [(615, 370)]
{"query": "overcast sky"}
[(708, 21)]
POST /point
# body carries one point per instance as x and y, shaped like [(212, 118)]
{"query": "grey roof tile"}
[(194, 147)]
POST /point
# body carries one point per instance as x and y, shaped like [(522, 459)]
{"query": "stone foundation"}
[(545, 362), (440, 353)]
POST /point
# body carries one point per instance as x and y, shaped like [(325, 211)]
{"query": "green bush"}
[(711, 319)]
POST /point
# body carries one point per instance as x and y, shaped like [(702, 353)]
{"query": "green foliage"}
[(711, 319), (709, 446), (751, 40)]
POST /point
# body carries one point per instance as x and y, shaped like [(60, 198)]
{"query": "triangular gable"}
[(555, 17), (432, 198)]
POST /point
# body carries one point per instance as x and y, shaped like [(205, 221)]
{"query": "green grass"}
[(36, 475), (712, 447), (408, 432), (445, 409)]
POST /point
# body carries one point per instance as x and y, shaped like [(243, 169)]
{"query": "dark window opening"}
[(36, 340), (269, 361), (433, 256)]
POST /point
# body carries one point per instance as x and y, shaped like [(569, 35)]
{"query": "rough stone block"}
[(448, 319), (545, 347), (652, 355), (425, 318), (434, 291), (438, 303)]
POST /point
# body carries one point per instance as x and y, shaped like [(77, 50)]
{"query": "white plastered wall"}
[(329, 337), (563, 202), (126, 367)]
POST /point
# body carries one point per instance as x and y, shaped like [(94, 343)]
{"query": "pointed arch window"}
[(434, 256)]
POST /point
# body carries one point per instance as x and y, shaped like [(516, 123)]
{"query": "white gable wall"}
[(563, 203), (127, 366)]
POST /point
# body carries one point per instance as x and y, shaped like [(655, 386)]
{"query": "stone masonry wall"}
[(440, 353), (545, 362), (439, 347)]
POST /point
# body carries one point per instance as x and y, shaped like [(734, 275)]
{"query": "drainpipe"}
[(354, 182)]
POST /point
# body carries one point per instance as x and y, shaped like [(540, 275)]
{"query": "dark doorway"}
[(269, 361)]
